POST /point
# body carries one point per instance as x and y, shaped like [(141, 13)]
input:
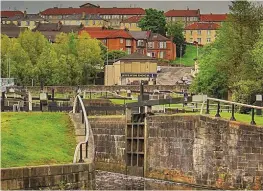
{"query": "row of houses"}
[(143, 42), (198, 27)]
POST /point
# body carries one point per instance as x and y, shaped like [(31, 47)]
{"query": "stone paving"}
[(115, 181)]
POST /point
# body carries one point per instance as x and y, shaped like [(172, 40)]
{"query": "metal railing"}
[(233, 104), (89, 139)]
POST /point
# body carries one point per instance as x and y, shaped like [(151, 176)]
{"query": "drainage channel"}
[(116, 181)]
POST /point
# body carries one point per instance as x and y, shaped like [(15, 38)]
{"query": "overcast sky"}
[(204, 6)]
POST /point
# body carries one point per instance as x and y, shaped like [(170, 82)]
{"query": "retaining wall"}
[(147, 88), (109, 138), (205, 151), (55, 177)]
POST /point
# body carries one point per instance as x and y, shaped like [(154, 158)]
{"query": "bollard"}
[(218, 110), (3, 101), (80, 154), (207, 107), (87, 144), (233, 113), (253, 117), (53, 94)]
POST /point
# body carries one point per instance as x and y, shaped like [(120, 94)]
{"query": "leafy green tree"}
[(175, 30), (210, 80), (89, 57), (116, 54), (154, 21), (233, 54), (46, 66)]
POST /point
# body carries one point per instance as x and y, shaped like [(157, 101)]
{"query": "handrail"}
[(235, 103), (87, 129)]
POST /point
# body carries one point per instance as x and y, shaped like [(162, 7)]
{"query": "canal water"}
[(115, 181)]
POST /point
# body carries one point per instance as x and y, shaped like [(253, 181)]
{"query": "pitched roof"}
[(80, 17), (89, 5), (133, 19), (158, 37), (10, 13), (137, 56), (11, 30), (202, 26), (102, 11), (213, 17), (140, 34), (182, 13), (27, 17), (57, 27), (103, 34)]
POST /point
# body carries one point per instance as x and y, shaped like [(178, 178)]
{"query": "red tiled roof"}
[(202, 26), (133, 19), (11, 13), (103, 34), (182, 13), (103, 11), (213, 17)]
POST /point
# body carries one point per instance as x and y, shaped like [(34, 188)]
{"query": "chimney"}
[(83, 15), (25, 13)]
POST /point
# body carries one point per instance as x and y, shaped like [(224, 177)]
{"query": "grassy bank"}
[(189, 56), (36, 139)]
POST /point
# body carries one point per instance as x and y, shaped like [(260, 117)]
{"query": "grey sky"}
[(204, 6), (36, 6)]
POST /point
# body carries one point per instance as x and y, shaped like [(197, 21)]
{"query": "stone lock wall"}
[(147, 88), (205, 151), (109, 139), (54, 177)]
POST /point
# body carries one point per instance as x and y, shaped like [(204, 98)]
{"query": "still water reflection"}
[(115, 181)]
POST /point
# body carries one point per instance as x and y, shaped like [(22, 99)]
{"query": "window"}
[(78, 22), (199, 40), (50, 16), (27, 23), (208, 40), (161, 54), (128, 50), (191, 33), (208, 32), (104, 41), (150, 44), (60, 17), (199, 32), (121, 40), (87, 23), (153, 55), (191, 40), (140, 43), (162, 44), (128, 42), (93, 22), (19, 23)]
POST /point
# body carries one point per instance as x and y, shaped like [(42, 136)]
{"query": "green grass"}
[(121, 101), (190, 54), (36, 139)]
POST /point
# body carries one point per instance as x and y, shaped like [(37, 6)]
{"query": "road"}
[(170, 75)]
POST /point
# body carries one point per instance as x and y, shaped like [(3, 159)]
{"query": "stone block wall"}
[(109, 139), (147, 88), (205, 151), (55, 177)]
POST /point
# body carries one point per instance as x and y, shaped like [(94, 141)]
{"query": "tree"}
[(116, 54), (47, 65), (154, 21), (175, 30), (210, 80), (89, 57), (234, 54)]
